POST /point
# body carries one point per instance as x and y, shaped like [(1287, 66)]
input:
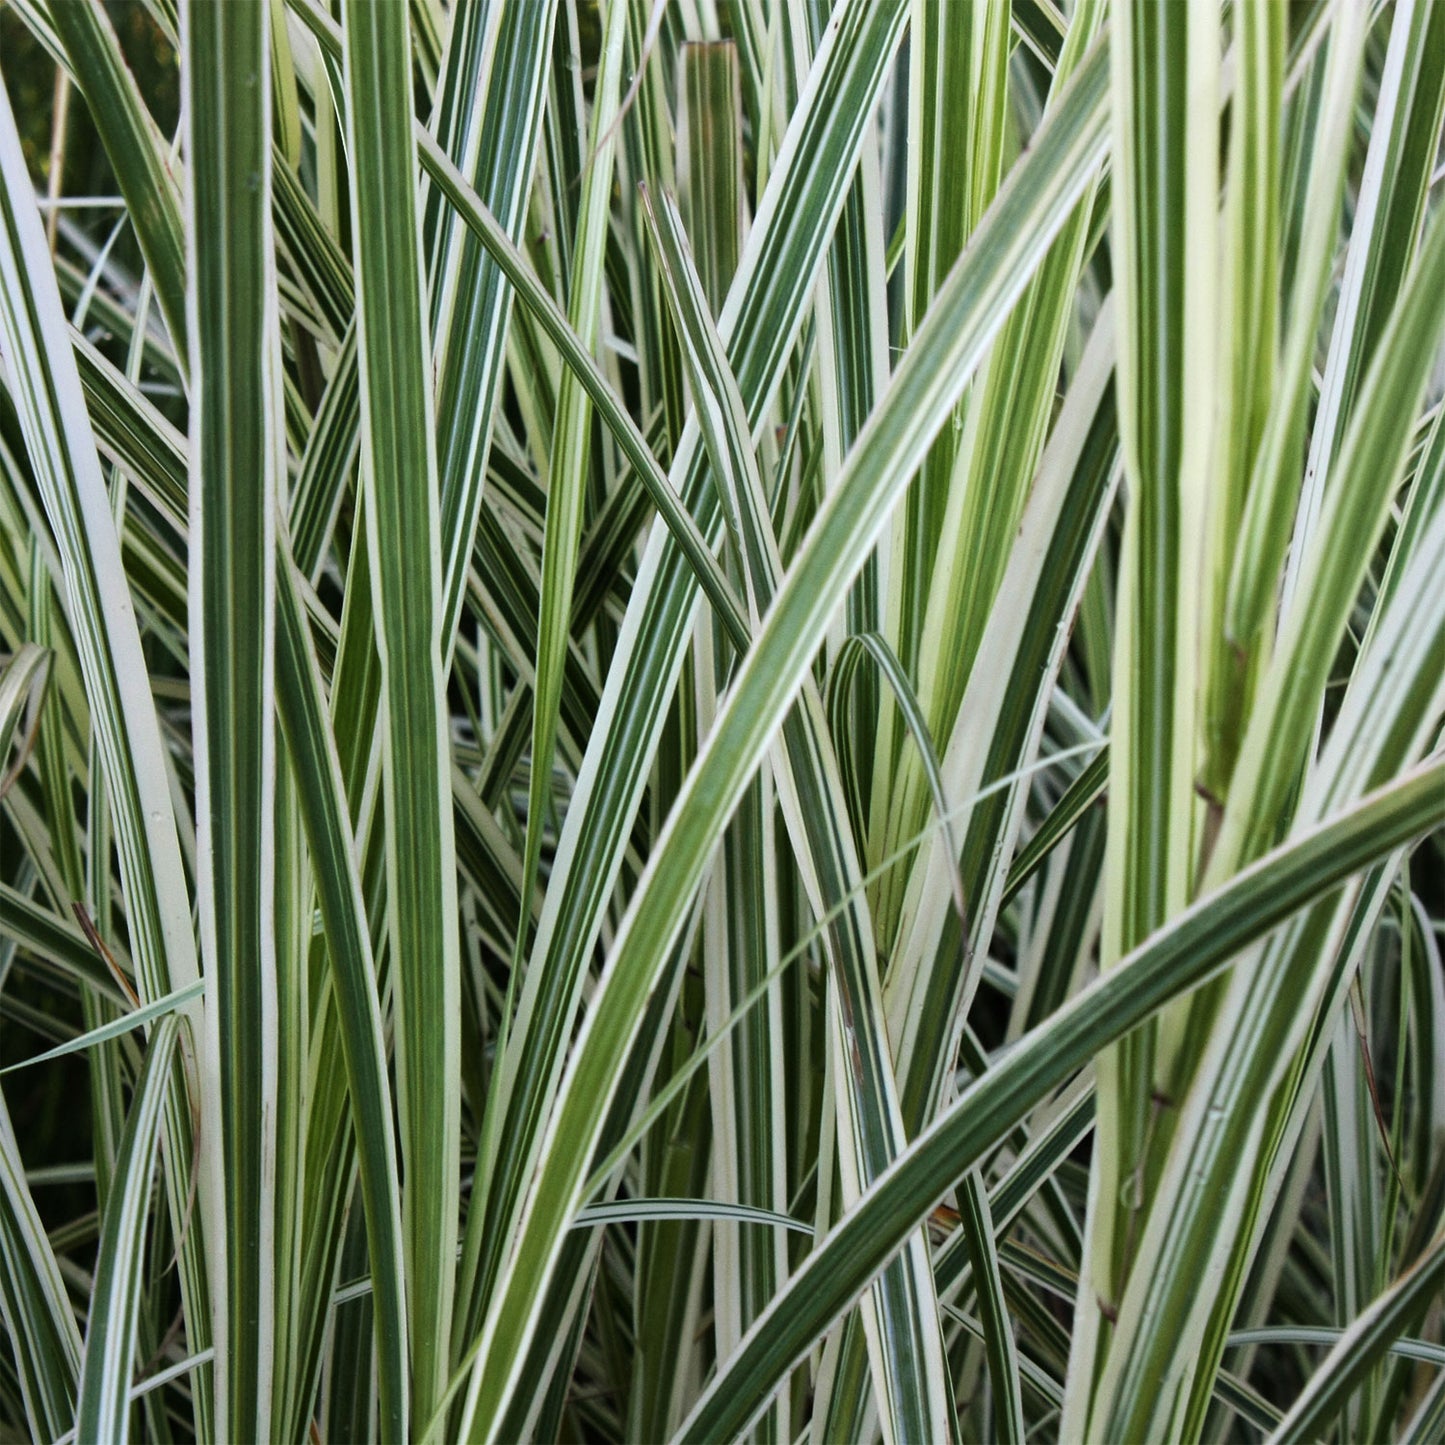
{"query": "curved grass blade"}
[(1188, 951), (1330, 1336), (874, 645), (1079, 797), (23, 684), (632, 1211)]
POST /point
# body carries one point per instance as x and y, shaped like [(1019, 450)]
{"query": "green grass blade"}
[(22, 689), (1082, 794), (951, 50), (137, 151), (851, 333), (405, 551), (875, 646), (629, 1211), (328, 463), (568, 478), (234, 463), (999, 1347), (132, 433), (1248, 357), (1273, 487), (710, 154), (116, 1028), (1164, 221), (103, 1411)]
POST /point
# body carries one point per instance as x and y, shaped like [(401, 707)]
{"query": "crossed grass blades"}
[(721, 720)]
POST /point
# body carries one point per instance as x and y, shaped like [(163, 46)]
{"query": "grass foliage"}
[(722, 720)]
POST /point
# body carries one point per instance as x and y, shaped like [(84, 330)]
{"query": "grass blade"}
[(324, 817), (571, 450), (1165, 141), (137, 151), (763, 312), (234, 463), (116, 1028), (404, 547), (103, 1412)]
